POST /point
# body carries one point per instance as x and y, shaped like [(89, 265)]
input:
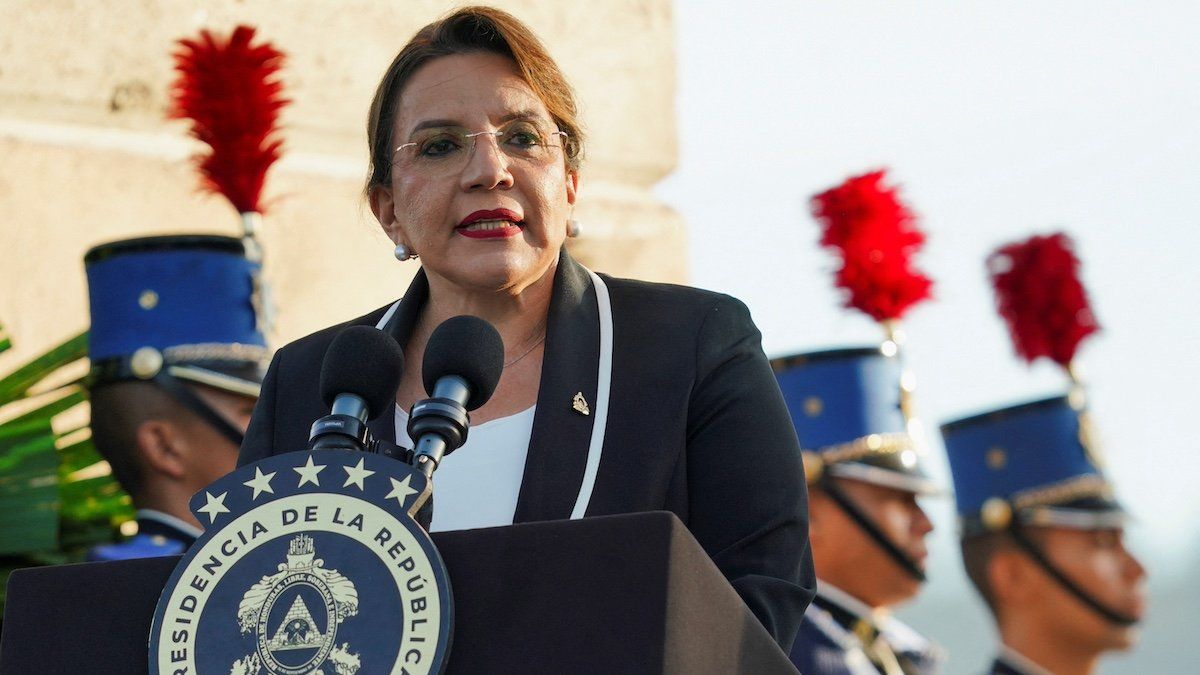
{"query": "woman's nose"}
[(487, 167)]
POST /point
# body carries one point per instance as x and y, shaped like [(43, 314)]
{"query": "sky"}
[(997, 121)]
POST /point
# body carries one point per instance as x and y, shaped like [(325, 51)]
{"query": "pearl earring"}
[(404, 253), (573, 228)]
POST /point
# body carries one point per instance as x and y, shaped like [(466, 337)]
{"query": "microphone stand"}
[(344, 428), (438, 425)]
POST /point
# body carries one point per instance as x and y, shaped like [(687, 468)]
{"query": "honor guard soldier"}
[(866, 528), (1042, 534), (1042, 537), (862, 446), (177, 359)]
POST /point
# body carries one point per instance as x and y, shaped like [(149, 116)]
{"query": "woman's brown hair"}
[(464, 31)]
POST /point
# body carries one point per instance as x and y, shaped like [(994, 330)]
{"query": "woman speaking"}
[(616, 396)]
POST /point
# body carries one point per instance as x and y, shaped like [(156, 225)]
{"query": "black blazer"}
[(695, 425)]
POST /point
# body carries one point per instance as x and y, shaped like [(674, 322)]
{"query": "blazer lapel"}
[(400, 326), (558, 446)]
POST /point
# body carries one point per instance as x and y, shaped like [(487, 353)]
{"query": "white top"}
[(598, 411), (477, 485)]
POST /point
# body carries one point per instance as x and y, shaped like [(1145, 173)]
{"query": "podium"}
[(616, 594)]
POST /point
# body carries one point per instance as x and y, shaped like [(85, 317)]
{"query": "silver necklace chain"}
[(527, 351)]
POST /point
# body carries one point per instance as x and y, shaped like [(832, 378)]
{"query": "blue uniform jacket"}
[(158, 534), (828, 644)]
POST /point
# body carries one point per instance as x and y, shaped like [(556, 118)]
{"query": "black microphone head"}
[(366, 362), (470, 348)]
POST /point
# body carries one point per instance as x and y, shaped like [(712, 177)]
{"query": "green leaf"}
[(55, 402), (99, 498), (78, 455), (23, 444), (48, 515), (15, 385), (29, 498)]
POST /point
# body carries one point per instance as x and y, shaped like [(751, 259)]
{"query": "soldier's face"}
[(217, 455), (1099, 563), (850, 559)]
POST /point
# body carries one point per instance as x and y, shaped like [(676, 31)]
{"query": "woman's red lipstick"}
[(496, 224)]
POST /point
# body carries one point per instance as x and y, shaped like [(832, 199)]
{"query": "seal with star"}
[(311, 562)]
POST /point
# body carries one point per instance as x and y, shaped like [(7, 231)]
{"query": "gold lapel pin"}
[(579, 404)]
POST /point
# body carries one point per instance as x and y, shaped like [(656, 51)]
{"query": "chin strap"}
[(188, 398), (1058, 575), (858, 516)]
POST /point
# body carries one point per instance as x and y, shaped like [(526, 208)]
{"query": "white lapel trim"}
[(387, 316), (600, 410)]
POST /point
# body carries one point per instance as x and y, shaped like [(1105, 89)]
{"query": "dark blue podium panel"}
[(617, 594)]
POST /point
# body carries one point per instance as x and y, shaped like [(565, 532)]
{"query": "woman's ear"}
[(384, 209), (572, 186)]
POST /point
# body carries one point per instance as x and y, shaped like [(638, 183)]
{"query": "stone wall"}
[(88, 156)]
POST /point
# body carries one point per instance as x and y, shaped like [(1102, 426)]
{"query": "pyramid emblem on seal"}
[(297, 631)]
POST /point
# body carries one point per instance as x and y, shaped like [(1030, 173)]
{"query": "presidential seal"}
[(311, 562), (304, 579)]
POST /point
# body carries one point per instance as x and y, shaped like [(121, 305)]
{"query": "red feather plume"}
[(876, 236), (1040, 297), (231, 92)]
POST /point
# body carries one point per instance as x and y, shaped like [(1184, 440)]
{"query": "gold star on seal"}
[(214, 507), (401, 489), (356, 474), (260, 483), (308, 472)]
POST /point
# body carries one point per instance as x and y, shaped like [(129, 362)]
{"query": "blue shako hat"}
[(851, 415), (181, 306), (1036, 463)]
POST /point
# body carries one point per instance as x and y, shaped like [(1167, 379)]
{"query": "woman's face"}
[(492, 219)]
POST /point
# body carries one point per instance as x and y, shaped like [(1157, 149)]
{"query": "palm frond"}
[(17, 384), (57, 495)]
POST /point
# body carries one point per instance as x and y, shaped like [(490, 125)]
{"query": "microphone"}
[(359, 378), (462, 365)]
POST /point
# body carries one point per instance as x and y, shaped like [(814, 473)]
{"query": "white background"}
[(998, 120)]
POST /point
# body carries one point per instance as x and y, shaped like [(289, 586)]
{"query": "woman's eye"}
[(438, 147), (523, 138)]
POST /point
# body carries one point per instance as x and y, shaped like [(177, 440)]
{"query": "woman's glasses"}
[(444, 151)]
